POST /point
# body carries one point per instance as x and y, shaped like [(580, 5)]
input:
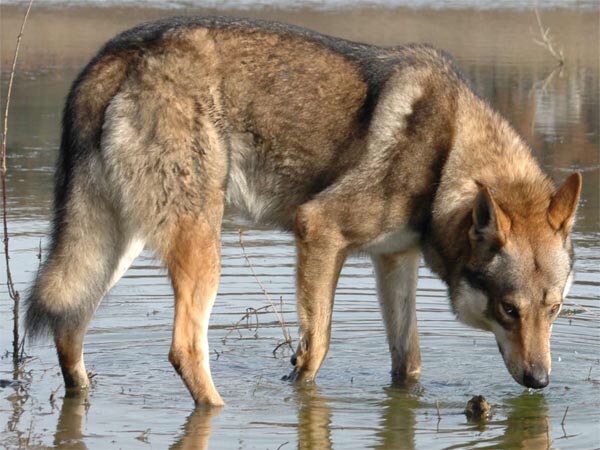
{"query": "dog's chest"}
[(395, 241)]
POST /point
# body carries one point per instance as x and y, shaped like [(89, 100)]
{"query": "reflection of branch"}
[(542, 85), (14, 295), (546, 41)]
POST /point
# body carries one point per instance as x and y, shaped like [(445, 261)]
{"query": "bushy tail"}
[(87, 239), (85, 247)]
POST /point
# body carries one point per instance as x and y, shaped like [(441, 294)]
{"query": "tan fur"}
[(397, 285), (69, 346), (96, 90), (194, 267), (564, 203), (321, 253)]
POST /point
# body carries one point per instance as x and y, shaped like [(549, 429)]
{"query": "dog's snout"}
[(536, 378)]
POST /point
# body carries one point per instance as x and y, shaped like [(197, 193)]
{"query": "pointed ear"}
[(491, 225), (564, 204)]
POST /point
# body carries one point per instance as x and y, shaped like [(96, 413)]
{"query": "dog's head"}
[(519, 271)]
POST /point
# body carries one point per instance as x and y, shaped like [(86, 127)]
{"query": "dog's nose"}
[(536, 378)]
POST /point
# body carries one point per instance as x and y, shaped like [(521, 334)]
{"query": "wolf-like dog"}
[(352, 147)]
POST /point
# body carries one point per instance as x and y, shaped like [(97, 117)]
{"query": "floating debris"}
[(478, 409), (15, 384)]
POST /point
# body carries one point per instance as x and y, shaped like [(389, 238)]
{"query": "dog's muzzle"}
[(536, 378)]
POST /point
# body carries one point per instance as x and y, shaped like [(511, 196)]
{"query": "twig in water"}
[(546, 41), (12, 292), (249, 313), (52, 398), (256, 385), (28, 441), (143, 437), (587, 310), (562, 423), (281, 344), (39, 254), (284, 330), (22, 353)]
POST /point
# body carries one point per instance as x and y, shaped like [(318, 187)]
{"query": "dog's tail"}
[(88, 240)]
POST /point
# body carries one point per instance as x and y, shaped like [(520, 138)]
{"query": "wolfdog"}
[(351, 147)]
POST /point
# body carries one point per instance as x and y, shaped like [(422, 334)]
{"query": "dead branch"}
[(286, 335), (249, 313), (546, 41), (12, 292), (583, 308)]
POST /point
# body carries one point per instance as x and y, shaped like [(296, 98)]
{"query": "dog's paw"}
[(299, 376), (292, 376)]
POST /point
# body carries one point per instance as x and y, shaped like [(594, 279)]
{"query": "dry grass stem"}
[(250, 312), (52, 398), (564, 417), (14, 295), (587, 310), (286, 335)]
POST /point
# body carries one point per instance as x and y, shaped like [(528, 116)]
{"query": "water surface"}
[(137, 401)]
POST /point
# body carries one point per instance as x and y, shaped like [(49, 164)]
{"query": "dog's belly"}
[(399, 240), (262, 185)]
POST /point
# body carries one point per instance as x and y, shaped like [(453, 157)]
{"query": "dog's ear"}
[(491, 225), (564, 204)]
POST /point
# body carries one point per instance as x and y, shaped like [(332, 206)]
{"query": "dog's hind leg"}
[(90, 250), (397, 287), (193, 261)]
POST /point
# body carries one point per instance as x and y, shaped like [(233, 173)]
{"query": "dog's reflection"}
[(69, 429), (398, 421), (197, 428), (314, 419), (526, 425), (396, 428)]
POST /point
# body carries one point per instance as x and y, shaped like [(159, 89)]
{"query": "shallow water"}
[(137, 401)]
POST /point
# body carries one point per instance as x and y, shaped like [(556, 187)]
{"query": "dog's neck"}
[(486, 152)]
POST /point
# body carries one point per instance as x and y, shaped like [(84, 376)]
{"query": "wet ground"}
[(137, 401)]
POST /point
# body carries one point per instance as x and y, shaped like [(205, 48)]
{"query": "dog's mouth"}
[(532, 375)]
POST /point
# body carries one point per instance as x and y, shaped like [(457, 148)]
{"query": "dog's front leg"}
[(397, 288), (321, 254)]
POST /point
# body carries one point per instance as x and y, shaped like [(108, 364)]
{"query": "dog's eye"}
[(554, 309), (510, 310)]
